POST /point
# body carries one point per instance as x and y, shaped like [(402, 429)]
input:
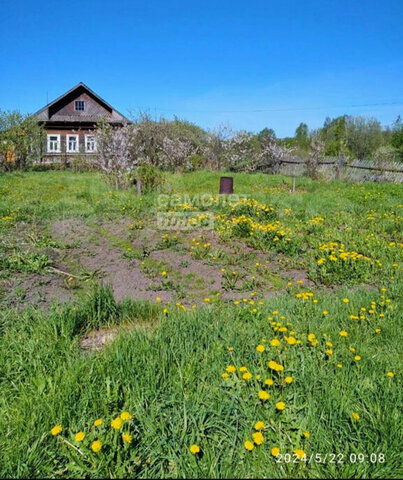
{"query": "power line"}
[(276, 109)]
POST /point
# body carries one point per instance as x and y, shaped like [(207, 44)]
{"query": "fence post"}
[(339, 167)]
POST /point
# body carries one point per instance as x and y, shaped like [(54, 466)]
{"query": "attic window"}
[(80, 105)]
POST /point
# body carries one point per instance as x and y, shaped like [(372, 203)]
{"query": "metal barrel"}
[(226, 185)]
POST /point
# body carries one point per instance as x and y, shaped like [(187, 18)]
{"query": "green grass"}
[(166, 369)]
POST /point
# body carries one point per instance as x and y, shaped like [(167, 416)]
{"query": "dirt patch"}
[(97, 339), (37, 290)]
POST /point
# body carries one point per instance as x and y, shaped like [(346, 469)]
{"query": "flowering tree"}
[(271, 156), (117, 155), (316, 152)]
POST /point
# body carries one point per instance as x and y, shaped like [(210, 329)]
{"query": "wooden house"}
[(70, 122)]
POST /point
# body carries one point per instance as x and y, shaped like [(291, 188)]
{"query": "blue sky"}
[(249, 64)]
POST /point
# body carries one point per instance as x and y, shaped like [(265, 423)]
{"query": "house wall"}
[(64, 156)]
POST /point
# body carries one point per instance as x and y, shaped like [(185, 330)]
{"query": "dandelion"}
[(263, 395), (98, 422), (390, 374), (243, 369), (96, 446), (116, 423), (329, 352), (325, 312), (79, 437), (306, 434), (357, 358), (56, 430), (288, 380), (194, 449), (247, 376), (158, 299), (355, 416), (280, 406), (275, 342), (269, 381), (225, 375), (346, 300), (299, 453), (343, 333), (377, 330), (127, 437), (249, 445), (125, 416), (259, 425), (258, 438), (260, 348), (339, 365), (163, 273), (275, 451), (231, 369), (207, 300)]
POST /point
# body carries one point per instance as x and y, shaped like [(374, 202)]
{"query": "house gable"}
[(63, 109)]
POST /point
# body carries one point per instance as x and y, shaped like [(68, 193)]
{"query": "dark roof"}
[(45, 115)]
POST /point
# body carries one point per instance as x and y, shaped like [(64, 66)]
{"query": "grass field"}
[(286, 313)]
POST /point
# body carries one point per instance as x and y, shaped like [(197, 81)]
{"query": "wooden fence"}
[(339, 167)]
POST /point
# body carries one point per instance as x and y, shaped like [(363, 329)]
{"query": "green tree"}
[(397, 137), (21, 140), (302, 136)]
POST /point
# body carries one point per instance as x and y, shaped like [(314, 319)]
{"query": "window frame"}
[(59, 143), (86, 143), (68, 136), (79, 109)]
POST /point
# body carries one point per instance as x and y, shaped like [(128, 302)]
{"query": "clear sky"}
[(251, 64)]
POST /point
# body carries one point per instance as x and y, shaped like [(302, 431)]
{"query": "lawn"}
[(268, 340)]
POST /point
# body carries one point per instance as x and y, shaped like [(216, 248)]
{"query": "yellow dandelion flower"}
[(269, 381), (260, 348), (258, 438), (355, 416), (343, 333), (243, 369), (194, 449), (390, 374), (127, 437), (263, 395), (325, 312), (247, 376), (125, 416), (288, 380), (79, 436), (96, 446), (116, 423), (275, 342), (280, 406), (357, 358), (299, 453), (249, 445), (225, 375), (98, 422), (346, 300), (56, 430), (231, 369), (339, 365), (275, 451), (259, 425), (306, 434)]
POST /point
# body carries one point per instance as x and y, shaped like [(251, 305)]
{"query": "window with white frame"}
[(72, 143), (90, 145), (54, 143), (80, 105)]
